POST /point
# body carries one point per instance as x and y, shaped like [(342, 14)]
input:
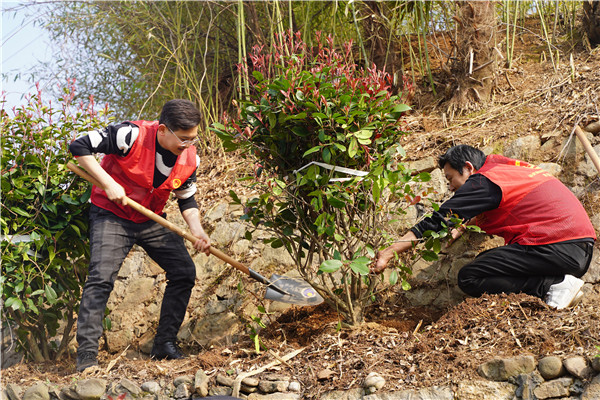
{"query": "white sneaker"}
[(564, 294)]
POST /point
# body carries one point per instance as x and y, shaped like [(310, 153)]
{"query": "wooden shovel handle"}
[(588, 147), (157, 218)]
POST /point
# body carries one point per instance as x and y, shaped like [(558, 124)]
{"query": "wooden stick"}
[(588, 147)]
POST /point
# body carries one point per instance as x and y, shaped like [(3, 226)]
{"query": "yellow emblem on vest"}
[(176, 183)]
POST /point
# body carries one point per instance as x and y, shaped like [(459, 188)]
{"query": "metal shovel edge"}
[(279, 288)]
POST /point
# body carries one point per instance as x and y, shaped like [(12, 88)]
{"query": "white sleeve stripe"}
[(122, 143), (185, 193), (95, 138), (197, 161)]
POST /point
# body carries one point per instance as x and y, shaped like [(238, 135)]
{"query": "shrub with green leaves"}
[(44, 221), (323, 135)]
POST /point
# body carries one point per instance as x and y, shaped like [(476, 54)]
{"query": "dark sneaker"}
[(86, 359), (166, 350)]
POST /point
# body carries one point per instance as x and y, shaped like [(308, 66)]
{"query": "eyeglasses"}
[(184, 142)]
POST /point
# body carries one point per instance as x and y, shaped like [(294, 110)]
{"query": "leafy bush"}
[(44, 221), (311, 113)]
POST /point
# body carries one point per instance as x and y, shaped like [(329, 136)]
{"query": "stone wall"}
[(516, 378)]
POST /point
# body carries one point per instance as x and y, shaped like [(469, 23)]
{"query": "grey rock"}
[(201, 383), (151, 387), (182, 392), (352, 394), (554, 168), (220, 391), (130, 387), (266, 386), (373, 381), (68, 393), (250, 381), (274, 396), (485, 390), (578, 367), (225, 380), (183, 380), (217, 212), (592, 392), (526, 383), (500, 369), (3, 395), (91, 389), (523, 148), (433, 393), (38, 391), (294, 386), (556, 388), (596, 363), (577, 387), (248, 389), (593, 127), (13, 391), (427, 164), (551, 367), (587, 167), (214, 328)]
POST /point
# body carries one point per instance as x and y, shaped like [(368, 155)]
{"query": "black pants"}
[(111, 239), (525, 269)]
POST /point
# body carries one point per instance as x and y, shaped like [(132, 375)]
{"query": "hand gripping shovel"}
[(279, 288)]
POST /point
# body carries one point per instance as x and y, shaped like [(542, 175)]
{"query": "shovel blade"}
[(297, 291)]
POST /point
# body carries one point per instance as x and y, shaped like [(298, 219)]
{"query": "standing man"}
[(548, 236), (145, 161)]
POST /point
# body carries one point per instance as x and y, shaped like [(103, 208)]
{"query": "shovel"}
[(279, 288)]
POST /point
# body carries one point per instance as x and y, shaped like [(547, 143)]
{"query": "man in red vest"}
[(144, 161), (549, 238)]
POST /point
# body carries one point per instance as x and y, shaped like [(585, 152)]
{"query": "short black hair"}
[(458, 156), (179, 114)]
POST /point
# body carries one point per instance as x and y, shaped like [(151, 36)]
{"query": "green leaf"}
[(258, 75), (401, 108), (353, 147), (21, 212), (329, 266), (15, 304), (335, 202), (360, 265), (311, 150), (393, 277), (277, 243), (50, 294), (363, 134), (405, 285)]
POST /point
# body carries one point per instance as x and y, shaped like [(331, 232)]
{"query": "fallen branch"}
[(238, 381)]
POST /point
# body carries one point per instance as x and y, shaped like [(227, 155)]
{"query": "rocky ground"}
[(410, 346)]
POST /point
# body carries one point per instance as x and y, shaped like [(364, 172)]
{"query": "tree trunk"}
[(475, 64), (379, 45), (591, 21)]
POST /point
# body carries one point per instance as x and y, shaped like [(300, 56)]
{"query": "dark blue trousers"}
[(111, 239)]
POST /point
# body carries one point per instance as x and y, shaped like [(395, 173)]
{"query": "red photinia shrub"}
[(325, 134), (44, 220)]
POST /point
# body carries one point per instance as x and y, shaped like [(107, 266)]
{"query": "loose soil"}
[(410, 347)]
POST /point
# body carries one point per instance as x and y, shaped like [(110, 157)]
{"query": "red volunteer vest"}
[(536, 208), (135, 173)]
